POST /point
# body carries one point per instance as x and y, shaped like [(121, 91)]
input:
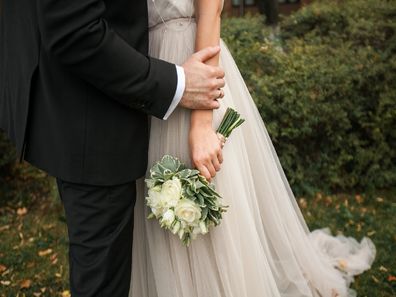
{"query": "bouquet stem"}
[(231, 120)]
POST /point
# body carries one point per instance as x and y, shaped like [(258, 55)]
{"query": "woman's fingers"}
[(211, 169), (220, 156), (204, 171), (216, 163), (207, 168)]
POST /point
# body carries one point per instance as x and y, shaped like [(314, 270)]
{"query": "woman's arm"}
[(205, 146)]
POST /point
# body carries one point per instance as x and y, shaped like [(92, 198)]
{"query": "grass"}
[(359, 215), (33, 240), (33, 237)]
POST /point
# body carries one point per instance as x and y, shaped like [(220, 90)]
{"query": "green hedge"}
[(327, 91)]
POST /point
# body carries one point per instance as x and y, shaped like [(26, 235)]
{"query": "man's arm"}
[(181, 86), (77, 34)]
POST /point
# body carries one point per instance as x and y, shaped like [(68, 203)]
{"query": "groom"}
[(76, 86)]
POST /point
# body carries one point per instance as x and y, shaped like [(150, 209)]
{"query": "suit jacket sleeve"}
[(76, 32)]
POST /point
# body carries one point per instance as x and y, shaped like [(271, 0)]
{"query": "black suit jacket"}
[(76, 86)]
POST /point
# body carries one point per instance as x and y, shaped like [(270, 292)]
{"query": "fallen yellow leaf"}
[(53, 256), (48, 226), (66, 293), (359, 199), (383, 268), (3, 228), (303, 203), (328, 200), (45, 252), (22, 211), (371, 233), (375, 279), (25, 284)]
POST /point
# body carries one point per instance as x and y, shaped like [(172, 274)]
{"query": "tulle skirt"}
[(263, 247)]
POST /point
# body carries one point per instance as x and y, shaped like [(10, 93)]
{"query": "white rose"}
[(203, 227), (167, 218), (171, 192), (153, 199), (157, 211), (188, 211)]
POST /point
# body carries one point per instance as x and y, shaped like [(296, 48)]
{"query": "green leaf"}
[(204, 213), (171, 163)]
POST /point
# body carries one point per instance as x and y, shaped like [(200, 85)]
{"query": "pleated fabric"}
[(263, 247)]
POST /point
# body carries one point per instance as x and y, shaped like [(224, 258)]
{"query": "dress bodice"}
[(164, 10)]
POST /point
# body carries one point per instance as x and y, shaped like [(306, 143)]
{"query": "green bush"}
[(328, 95)]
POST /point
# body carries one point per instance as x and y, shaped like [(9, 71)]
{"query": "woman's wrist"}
[(201, 119), (201, 124)]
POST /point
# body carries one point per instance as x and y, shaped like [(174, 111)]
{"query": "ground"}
[(33, 236)]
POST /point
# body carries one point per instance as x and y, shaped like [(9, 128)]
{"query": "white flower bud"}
[(167, 218), (203, 227)]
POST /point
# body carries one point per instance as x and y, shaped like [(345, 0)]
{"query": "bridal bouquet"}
[(180, 198)]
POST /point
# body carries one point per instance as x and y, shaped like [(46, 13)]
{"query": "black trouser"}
[(100, 225)]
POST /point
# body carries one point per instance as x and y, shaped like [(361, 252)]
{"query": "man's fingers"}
[(221, 93), (218, 72), (217, 94), (207, 53), (220, 83), (214, 104)]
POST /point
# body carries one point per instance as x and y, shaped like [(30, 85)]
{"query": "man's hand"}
[(203, 82)]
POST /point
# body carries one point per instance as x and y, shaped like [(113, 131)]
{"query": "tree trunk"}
[(271, 10)]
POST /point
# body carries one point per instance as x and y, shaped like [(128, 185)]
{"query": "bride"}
[(263, 247)]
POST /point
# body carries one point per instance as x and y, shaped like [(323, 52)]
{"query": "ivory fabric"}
[(263, 247)]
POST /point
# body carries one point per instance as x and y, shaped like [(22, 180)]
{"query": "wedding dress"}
[(262, 248)]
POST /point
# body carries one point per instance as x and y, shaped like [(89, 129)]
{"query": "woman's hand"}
[(205, 149), (205, 146)]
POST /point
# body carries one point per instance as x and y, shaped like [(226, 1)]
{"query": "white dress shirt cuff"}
[(181, 85)]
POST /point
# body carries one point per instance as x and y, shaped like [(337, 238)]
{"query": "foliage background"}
[(326, 91)]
